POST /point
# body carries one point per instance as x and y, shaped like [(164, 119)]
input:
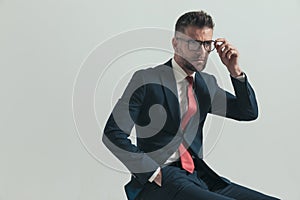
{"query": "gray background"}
[(42, 46)]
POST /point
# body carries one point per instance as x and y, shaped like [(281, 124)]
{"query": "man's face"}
[(192, 60)]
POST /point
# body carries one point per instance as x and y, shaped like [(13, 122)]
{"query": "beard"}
[(192, 67)]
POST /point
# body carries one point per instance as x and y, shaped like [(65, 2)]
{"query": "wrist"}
[(236, 73)]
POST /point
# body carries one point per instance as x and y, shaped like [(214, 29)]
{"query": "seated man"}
[(168, 105)]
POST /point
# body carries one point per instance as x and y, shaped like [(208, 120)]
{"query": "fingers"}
[(158, 182), (158, 179), (232, 53), (220, 43), (225, 49)]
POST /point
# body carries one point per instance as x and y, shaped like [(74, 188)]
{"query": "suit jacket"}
[(150, 103)]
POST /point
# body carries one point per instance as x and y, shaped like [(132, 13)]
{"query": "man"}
[(168, 105)]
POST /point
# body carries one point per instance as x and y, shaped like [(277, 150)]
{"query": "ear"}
[(174, 43)]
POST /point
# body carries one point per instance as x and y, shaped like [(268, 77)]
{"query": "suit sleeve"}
[(119, 126), (242, 106)]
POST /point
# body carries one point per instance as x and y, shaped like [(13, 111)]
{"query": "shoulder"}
[(209, 79), (154, 73)]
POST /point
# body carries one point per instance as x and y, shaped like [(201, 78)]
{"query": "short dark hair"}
[(195, 18)]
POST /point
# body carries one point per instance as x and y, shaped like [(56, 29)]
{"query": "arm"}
[(243, 105), (118, 128)]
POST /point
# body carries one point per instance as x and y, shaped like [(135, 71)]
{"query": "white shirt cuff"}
[(241, 77)]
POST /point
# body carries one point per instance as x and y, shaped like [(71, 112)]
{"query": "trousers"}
[(178, 184)]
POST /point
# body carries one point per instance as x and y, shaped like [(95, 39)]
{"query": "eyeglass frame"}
[(199, 42)]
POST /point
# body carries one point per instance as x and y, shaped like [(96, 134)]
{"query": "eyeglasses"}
[(195, 45)]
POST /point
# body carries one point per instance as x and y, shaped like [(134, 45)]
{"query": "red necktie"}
[(186, 159)]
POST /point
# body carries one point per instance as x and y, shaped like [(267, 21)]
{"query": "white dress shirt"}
[(182, 85)]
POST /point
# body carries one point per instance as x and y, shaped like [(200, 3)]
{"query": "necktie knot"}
[(190, 79)]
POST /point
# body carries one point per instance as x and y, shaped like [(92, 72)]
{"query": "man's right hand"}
[(158, 179)]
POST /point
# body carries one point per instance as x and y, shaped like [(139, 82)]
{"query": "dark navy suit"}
[(150, 104)]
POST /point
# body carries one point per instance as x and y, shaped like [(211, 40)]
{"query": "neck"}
[(179, 61)]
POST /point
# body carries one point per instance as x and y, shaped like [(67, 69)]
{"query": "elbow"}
[(251, 115), (254, 113), (106, 140)]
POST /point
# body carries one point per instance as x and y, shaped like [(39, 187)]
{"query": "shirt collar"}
[(179, 73)]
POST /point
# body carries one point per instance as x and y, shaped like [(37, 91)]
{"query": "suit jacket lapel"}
[(170, 91), (202, 94), (171, 95)]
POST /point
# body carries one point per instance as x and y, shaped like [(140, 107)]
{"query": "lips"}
[(199, 59)]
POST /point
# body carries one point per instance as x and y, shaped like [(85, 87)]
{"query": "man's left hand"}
[(229, 56)]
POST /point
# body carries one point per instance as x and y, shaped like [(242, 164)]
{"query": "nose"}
[(201, 50)]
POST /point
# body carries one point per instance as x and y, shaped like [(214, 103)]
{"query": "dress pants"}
[(178, 184)]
